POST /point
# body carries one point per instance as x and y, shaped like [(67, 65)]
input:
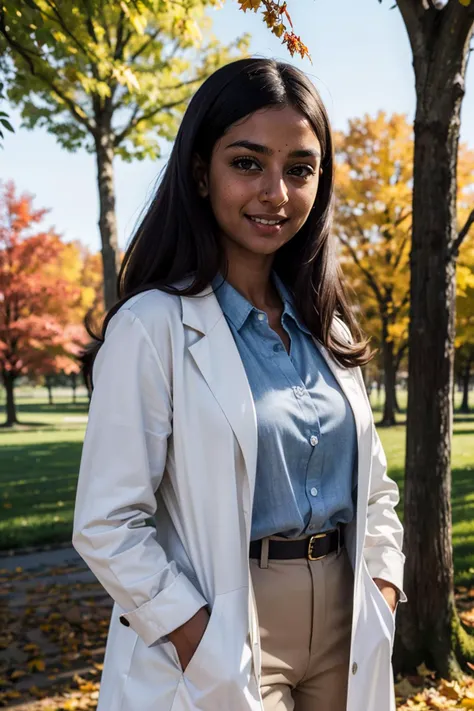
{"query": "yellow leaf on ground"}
[(423, 670), (450, 689), (36, 664)]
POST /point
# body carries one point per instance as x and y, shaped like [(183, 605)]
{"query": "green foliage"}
[(4, 122), (101, 67)]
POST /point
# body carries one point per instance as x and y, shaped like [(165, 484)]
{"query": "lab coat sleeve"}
[(122, 465)]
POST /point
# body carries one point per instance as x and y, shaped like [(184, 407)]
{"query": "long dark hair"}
[(178, 236)]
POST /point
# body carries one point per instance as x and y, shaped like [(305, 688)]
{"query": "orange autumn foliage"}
[(38, 331), (278, 20)]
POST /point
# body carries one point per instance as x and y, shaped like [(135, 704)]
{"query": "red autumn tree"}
[(35, 299)]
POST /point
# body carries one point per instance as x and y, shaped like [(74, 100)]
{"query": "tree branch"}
[(133, 123), (89, 23), (66, 29), (462, 235), (399, 355), (16, 46), (119, 43), (369, 277), (24, 54), (401, 249), (413, 14), (146, 44)]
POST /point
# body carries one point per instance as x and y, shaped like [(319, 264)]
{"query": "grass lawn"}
[(38, 470), (39, 465)]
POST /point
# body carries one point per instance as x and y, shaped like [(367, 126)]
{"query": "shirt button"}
[(354, 668), (314, 491), (277, 347), (313, 441), (299, 391), (261, 317), (124, 621)]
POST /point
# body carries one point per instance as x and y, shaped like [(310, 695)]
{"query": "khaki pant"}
[(304, 609)]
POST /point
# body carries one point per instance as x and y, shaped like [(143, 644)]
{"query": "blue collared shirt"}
[(307, 444)]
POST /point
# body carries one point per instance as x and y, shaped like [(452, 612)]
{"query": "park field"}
[(39, 465)]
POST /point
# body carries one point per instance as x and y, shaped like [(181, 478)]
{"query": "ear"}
[(200, 176)]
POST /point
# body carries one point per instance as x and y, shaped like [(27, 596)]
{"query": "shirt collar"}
[(289, 304), (233, 304), (237, 308)]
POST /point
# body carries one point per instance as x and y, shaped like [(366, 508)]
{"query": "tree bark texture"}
[(104, 144), (440, 42), (9, 383)]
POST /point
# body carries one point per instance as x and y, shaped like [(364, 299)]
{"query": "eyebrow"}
[(263, 150)]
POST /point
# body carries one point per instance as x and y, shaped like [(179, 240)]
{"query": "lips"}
[(270, 220), (266, 227)]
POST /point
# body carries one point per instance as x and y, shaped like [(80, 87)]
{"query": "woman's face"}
[(262, 180)]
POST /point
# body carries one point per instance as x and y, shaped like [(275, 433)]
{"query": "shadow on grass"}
[(22, 426), (29, 410), (463, 519), (57, 408), (38, 487)]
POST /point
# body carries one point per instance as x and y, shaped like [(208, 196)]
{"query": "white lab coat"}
[(172, 435)]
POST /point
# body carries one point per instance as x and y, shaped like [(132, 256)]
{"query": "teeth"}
[(266, 222)]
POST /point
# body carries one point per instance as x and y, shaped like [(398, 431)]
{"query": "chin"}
[(264, 249)]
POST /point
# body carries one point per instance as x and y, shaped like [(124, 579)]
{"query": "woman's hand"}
[(389, 591), (187, 637)]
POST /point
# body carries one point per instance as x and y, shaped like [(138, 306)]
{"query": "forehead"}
[(274, 127)]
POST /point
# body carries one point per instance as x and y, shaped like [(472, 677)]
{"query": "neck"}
[(251, 277)]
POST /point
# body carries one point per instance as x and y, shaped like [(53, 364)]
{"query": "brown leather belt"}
[(313, 547)]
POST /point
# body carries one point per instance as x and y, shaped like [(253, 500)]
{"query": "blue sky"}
[(361, 63)]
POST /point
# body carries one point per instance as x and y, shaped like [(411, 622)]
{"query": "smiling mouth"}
[(262, 221)]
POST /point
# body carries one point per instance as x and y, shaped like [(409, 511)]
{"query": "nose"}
[(274, 190)]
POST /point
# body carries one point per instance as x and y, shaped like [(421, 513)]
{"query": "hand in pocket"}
[(186, 638)]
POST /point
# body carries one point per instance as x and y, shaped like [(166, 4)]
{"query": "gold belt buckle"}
[(310, 546)]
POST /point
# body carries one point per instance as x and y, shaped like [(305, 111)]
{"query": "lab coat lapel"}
[(360, 406), (219, 361), (351, 389)]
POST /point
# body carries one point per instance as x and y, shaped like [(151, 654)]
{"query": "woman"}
[(228, 405)]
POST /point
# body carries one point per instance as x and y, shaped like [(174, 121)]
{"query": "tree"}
[(62, 358), (373, 224), (113, 77), (374, 221), (34, 308), (429, 628)]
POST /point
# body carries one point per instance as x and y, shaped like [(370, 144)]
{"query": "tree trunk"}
[(107, 217), (73, 377), (9, 383), (466, 378), (429, 629), (49, 385), (388, 417)]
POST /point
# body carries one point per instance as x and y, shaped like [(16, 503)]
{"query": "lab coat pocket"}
[(220, 669)]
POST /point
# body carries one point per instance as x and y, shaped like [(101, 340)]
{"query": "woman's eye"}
[(245, 164), (302, 171)]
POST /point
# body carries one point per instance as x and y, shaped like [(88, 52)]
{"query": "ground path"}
[(55, 618)]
